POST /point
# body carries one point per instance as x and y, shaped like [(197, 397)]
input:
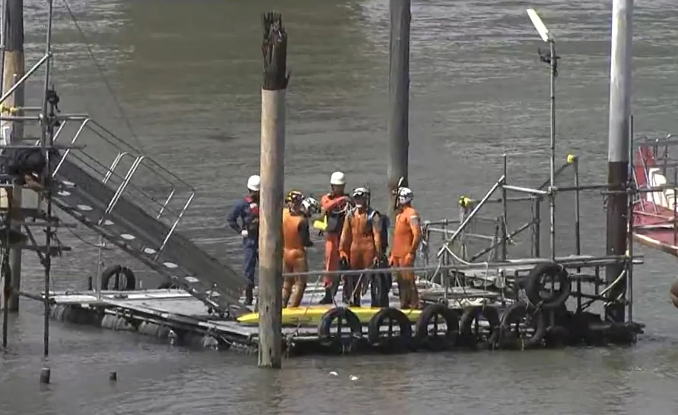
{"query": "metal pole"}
[(399, 97), (552, 160), (629, 233), (536, 230), (47, 141), (618, 147), (272, 190), (3, 40), (504, 214), (577, 221)]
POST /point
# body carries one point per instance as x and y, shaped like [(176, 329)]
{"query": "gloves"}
[(244, 233)]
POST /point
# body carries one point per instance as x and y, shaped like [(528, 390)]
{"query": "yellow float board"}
[(313, 314)]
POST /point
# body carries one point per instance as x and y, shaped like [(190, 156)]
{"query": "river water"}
[(188, 75)]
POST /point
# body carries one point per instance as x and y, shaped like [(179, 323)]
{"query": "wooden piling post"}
[(618, 149), (399, 95), (13, 70), (272, 173)]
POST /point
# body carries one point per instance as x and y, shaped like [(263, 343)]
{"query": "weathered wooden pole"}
[(399, 96), (618, 148), (272, 173), (13, 70)]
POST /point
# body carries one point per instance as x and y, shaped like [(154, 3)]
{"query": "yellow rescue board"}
[(313, 314)]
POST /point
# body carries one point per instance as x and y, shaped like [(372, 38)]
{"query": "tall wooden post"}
[(13, 70), (399, 95), (618, 148), (272, 173)]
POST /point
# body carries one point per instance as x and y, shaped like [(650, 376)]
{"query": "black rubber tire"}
[(168, 286), (341, 314), (534, 285), (468, 338), (437, 343), (128, 274), (514, 314), (401, 342)]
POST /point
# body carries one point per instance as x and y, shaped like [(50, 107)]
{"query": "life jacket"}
[(335, 221), (384, 222), (253, 223)]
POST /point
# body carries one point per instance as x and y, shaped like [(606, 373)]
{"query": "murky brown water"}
[(188, 75)]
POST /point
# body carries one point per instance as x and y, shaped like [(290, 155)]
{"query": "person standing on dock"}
[(360, 245), (406, 239), (296, 238), (247, 211), (334, 207)]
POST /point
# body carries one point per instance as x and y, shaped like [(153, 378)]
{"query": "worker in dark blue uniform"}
[(247, 211)]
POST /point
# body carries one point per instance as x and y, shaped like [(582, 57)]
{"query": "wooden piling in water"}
[(399, 96), (272, 173), (13, 70)]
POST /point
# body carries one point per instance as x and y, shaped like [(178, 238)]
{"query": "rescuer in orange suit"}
[(334, 206), (296, 238), (360, 244), (406, 238)]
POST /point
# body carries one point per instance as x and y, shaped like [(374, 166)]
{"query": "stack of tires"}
[(522, 325)]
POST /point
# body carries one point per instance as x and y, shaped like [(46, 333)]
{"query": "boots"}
[(249, 294), (329, 296), (297, 294)]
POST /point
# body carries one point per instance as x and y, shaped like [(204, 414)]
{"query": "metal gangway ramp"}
[(136, 204)]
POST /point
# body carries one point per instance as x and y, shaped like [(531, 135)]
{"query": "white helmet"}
[(361, 192), (310, 205), (405, 195), (338, 179), (253, 183)]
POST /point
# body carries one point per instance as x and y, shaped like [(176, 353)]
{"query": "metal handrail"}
[(120, 191), (476, 209), (126, 180), (115, 163), (174, 226), (86, 123), (134, 150), (132, 185), (109, 171)]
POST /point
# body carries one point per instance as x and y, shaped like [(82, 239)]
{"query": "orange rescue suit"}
[(406, 238), (333, 208), (360, 240), (295, 240)]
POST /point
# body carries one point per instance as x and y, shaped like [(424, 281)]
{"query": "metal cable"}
[(103, 77)]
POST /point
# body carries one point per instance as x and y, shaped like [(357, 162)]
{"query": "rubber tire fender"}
[(533, 285), (325, 325), (490, 313), (130, 278), (514, 313), (373, 327), (451, 321)]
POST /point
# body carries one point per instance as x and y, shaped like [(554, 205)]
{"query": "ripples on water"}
[(189, 75)]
